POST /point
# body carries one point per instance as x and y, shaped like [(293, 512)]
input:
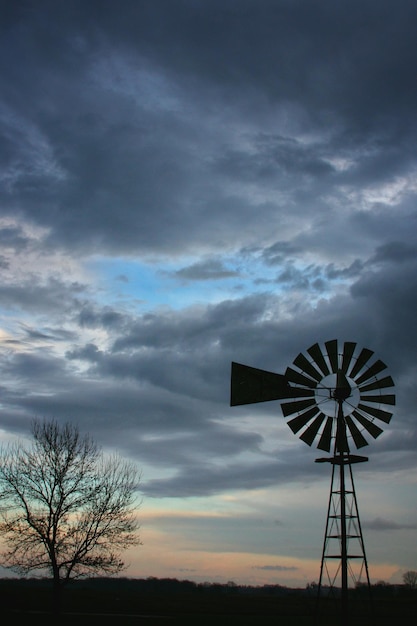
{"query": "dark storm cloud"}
[(122, 127)]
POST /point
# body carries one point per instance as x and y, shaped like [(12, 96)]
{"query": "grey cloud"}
[(60, 334), (271, 156), (273, 49), (48, 334), (295, 277), (12, 237), (352, 271), (194, 325), (314, 278), (211, 269), (389, 297), (89, 353), (220, 532), (36, 335), (200, 478), (380, 524), (394, 251), (275, 568), (279, 252), (35, 372), (189, 448), (37, 295), (106, 317)]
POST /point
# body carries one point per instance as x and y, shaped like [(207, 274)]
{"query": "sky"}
[(187, 183)]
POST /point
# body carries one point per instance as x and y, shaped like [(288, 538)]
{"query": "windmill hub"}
[(340, 394), (343, 389), (331, 391)]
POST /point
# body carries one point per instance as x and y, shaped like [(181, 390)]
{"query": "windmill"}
[(335, 397)]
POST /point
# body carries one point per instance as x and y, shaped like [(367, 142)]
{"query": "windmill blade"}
[(326, 436), (378, 384), (333, 354), (304, 364), (384, 416), (288, 408), (250, 385), (301, 420), (382, 399), (310, 433), (375, 369), (364, 356), (370, 426), (348, 350), (295, 377), (357, 436), (317, 356)]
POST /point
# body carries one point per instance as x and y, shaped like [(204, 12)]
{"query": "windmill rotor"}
[(335, 393), (340, 406)]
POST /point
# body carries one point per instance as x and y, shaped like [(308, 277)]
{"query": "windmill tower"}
[(334, 398)]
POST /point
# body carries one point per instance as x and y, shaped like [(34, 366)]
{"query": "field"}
[(127, 605)]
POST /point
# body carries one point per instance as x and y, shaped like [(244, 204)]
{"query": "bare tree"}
[(410, 579), (65, 507)]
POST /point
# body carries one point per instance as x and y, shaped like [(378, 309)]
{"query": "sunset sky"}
[(187, 183)]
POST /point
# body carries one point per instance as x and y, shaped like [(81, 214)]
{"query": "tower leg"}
[(343, 561), (343, 546)]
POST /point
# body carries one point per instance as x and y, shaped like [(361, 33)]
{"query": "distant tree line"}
[(154, 585)]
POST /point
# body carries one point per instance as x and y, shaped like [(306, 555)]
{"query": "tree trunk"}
[(56, 596)]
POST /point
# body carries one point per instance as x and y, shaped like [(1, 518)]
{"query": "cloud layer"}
[(186, 184)]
